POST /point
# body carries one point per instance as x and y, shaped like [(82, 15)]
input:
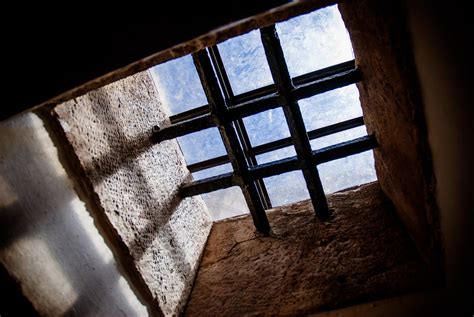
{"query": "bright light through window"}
[(310, 42)]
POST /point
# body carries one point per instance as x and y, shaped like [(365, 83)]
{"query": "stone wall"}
[(306, 266), (393, 110), (49, 243), (136, 184)]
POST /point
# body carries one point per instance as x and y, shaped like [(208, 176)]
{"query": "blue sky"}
[(310, 42)]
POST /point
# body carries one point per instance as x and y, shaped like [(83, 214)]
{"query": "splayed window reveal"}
[(310, 42)]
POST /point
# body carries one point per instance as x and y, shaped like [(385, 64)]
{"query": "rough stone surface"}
[(137, 184), (49, 244), (393, 110), (305, 266)]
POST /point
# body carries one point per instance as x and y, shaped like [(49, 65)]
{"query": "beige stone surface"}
[(49, 243), (137, 184), (393, 109), (305, 266)]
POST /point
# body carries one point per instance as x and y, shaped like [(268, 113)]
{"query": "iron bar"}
[(279, 144), (285, 165), (294, 119), (230, 139), (346, 72), (208, 185), (238, 123), (186, 127)]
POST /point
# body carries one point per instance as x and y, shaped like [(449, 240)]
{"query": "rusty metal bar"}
[(230, 139), (285, 165), (238, 123), (294, 119)]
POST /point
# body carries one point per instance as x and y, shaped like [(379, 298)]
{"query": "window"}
[(287, 108)]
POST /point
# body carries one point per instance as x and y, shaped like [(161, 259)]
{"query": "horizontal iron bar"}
[(313, 134), (279, 144), (297, 81), (208, 184), (344, 149), (255, 106), (270, 89), (189, 114), (276, 167), (285, 165), (329, 83), (185, 127)]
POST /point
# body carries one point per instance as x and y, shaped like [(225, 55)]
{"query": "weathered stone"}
[(362, 254), (393, 110), (137, 184), (49, 244)]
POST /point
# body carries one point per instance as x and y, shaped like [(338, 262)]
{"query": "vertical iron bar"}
[(294, 119), (239, 123), (230, 139)]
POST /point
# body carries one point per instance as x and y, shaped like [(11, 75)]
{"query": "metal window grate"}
[(226, 111)]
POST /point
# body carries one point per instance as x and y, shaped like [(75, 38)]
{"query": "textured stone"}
[(305, 266), (137, 184), (393, 110), (49, 244)]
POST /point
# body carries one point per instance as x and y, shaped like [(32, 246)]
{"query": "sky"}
[(310, 42)]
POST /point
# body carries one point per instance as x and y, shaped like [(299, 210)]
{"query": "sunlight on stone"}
[(46, 275)]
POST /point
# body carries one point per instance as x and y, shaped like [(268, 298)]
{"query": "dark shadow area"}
[(14, 303), (61, 53)]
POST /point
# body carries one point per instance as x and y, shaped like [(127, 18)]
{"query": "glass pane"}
[(276, 155), (331, 107), (178, 85), (347, 172), (202, 145), (245, 62), (225, 203), (213, 171), (315, 40), (338, 137), (266, 126), (286, 188)]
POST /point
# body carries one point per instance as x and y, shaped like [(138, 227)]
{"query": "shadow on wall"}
[(136, 184), (47, 238), (122, 155)]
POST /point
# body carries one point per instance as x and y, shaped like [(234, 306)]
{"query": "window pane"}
[(225, 203), (213, 171), (266, 126), (347, 172), (245, 62), (276, 155), (331, 107), (286, 188), (178, 84), (338, 137), (202, 145), (315, 40)]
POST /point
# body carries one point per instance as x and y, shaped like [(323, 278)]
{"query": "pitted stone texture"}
[(362, 254), (137, 183), (393, 109)]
